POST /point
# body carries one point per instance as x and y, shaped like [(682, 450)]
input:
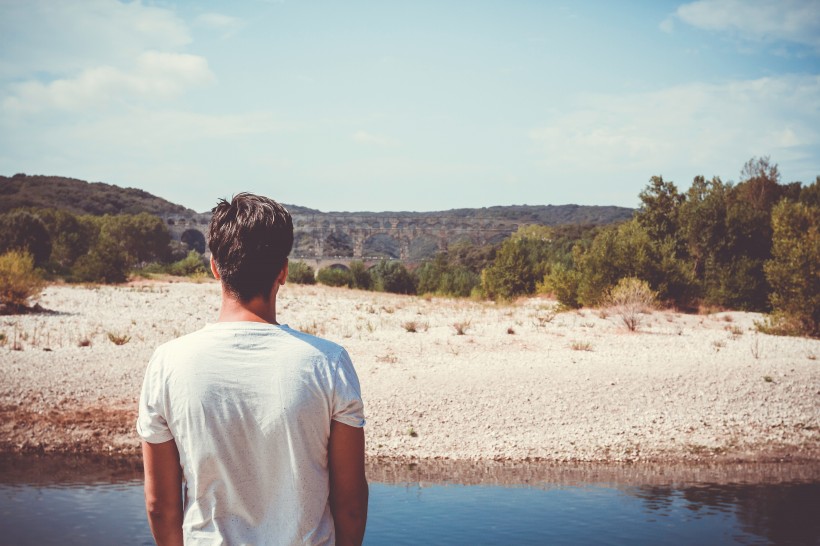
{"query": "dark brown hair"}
[(250, 239)]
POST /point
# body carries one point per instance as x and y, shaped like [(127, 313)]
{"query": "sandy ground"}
[(522, 383)]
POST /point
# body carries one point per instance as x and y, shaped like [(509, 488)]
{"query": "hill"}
[(80, 197), (98, 198), (551, 215)]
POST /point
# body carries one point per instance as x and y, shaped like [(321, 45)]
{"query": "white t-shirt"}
[(249, 405)]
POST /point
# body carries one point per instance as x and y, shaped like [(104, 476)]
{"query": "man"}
[(263, 423)]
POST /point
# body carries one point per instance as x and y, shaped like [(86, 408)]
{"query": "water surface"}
[(84, 501)]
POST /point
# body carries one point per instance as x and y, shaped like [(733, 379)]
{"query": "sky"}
[(379, 105)]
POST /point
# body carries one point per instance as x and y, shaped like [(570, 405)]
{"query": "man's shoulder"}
[(311, 343)]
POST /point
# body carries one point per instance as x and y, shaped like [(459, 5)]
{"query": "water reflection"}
[(784, 513), (97, 500)]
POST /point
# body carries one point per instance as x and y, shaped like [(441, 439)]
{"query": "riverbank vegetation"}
[(752, 246)]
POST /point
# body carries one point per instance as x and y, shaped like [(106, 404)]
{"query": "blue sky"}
[(378, 105)]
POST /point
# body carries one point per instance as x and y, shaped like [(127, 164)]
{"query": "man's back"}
[(249, 405)]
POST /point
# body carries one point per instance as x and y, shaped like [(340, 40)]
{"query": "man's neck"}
[(255, 310)]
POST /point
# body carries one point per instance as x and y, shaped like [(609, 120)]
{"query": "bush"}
[(106, 263), (19, 281), (361, 276), (629, 299), (563, 284), (191, 264), (442, 276), (393, 277), (301, 273), (335, 276), (510, 274)]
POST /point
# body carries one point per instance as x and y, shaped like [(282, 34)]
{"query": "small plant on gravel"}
[(118, 339), (755, 347), (544, 316), (581, 346), (461, 327), (412, 432), (736, 331), (390, 358), (414, 326), (630, 299), (313, 329), (768, 379)]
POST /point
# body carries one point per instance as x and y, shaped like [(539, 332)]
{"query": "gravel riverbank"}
[(521, 383)]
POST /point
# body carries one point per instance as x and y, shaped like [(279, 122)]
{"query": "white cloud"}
[(60, 38), (364, 137), (155, 75), (795, 21), (220, 22), (703, 126)]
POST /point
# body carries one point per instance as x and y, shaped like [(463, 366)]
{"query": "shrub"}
[(461, 327), (118, 339), (301, 273), (335, 276), (410, 327), (629, 299), (393, 277), (563, 284), (19, 281), (106, 262), (361, 276), (191, 264)]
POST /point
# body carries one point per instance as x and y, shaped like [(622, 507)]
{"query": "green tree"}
[(361, 276), (70, 237), (22, 230), (105, 262), (628, 250), (660, 204), (141, 237), (391, 276), (510, 274), (794, 269)]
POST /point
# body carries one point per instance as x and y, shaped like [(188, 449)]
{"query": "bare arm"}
[(348, 485), (163, 492)]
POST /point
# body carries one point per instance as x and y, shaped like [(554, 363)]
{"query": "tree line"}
[(752, 246)]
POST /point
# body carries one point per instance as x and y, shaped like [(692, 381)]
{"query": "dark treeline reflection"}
[(781, 513)]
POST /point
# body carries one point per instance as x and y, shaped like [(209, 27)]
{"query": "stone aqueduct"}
[(327, 239)]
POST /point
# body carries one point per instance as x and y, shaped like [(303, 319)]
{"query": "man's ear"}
[(214, 270), (283, 275)]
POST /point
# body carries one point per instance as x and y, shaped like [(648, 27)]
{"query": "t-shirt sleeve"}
[(151, 421), (348, 407)]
